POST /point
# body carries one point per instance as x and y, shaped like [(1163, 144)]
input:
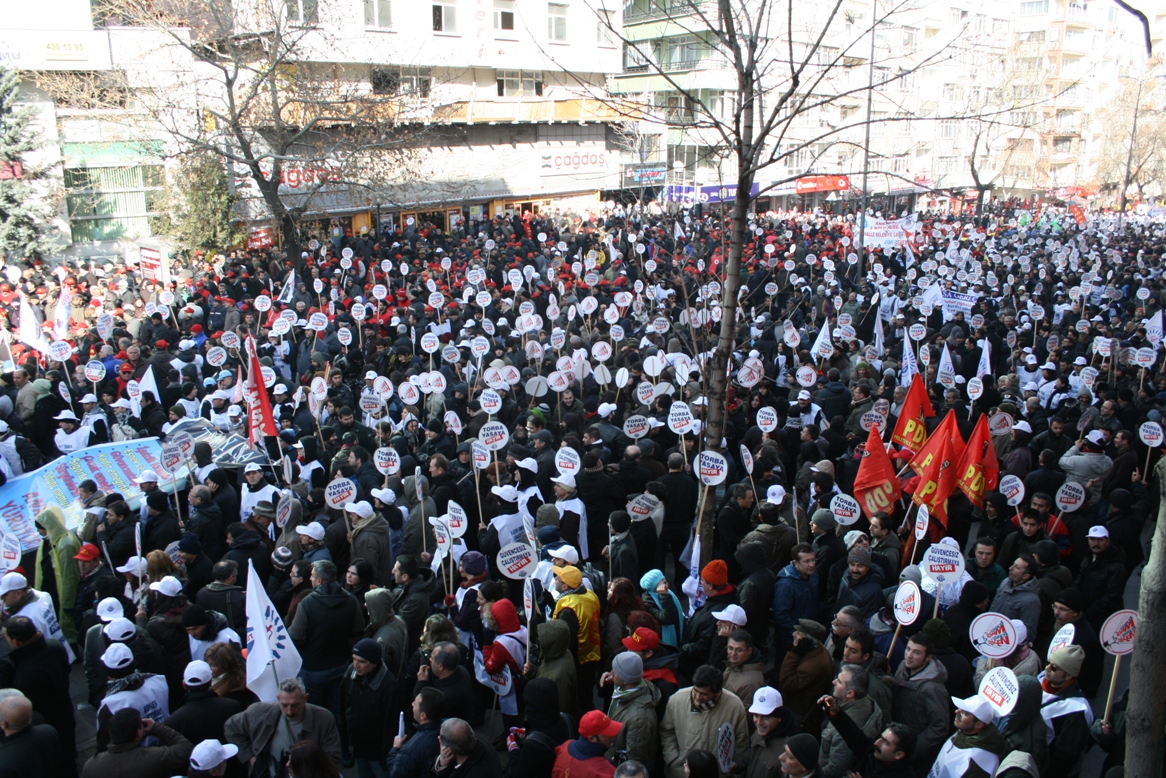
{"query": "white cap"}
[(733, 613), (765, 701), (775, 494), (89, 398), (1096, 531), (1030, 359), (567, 480), (1048, 366), (370, 375), (253, 468), (361, 508), (197, 673), (117, 656), (66, 416), (169, 586), (606, 408), (183, 345), (1095, 437), (223, 394), (566, 553), (314, 530), (135, 564), (109, 609), (13, 582), (209, 754), (1080, 361), (975, 705), (1021, 632), (528, 464), (120, 630), (387, 496), (279, 389), (147, 477), (234, 410), (804, 395), (122, 403), (1031, 387), (505, 493), (700, 401), (1022, 425)]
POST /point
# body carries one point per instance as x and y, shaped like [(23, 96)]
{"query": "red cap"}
[(88, 553), (643, 639), (597, 723)]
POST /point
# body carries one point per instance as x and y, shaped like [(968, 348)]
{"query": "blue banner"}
[(688, 195), (112, 466)]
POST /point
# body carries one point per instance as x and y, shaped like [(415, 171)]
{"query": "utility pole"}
[(1129, 158)]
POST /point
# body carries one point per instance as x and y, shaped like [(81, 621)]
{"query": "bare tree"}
[(1139, 100), (792, 103), (252, 85)]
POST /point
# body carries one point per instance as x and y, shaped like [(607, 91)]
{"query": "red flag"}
[(875, 487), (978, 469), (258, 405), (947, 429), (936, 464), (910, 431)]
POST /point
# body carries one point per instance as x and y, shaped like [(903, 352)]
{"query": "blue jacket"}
[(794, 598), (417, 755)]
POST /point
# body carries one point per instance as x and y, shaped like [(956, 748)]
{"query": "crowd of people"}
[(633, 639)]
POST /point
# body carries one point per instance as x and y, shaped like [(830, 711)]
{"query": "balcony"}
[(677, 9), (1076, 15)]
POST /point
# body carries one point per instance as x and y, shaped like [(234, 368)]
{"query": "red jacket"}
[(581, 759)]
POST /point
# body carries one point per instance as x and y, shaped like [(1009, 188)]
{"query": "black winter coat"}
[(203, 716), (370, 716), (40, 669)]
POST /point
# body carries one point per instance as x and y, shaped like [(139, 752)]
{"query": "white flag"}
[(909, 366), (147, 383), (29, 331), (1154, 329), (677, 231), (985, 366), (878, 335), (271, 655), (62, 312), (289, 288), (945, 362), (823, 346)]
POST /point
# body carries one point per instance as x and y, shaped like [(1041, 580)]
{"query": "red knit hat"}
[(716, 573)]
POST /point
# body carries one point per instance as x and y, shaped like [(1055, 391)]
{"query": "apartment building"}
[(500, 98), (983, 94)]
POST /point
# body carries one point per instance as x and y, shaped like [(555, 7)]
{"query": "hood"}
[(373, 525), (410, 487), (331, 595), (555, 638), (53, 520), (988, 738), (380, 606), (542, 702), (1028, 705), (972, 594), (934, 671), (1019, 760), (751, 556), (647, 694), (505, 616), (218, 622), (210, 509), (246, 539)]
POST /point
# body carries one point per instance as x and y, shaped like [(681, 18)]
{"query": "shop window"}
[(111, 203)]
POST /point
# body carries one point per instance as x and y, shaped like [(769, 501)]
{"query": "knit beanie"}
[(805, 749), (628, 667)]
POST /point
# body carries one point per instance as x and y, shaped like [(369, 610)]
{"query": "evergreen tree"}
[(26, 212), (200, 217)]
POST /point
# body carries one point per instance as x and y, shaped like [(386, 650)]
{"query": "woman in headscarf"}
[(664, 607)]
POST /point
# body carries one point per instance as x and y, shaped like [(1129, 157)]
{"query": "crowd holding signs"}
[(926, 498)]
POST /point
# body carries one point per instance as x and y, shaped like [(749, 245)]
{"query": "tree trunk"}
[(718, 366), (1144, 714)]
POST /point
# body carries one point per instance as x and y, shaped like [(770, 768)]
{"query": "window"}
[(445, 17), (1063, 146), (302, 11), (556, 22), (953, 92), (683, 52), (1034, 7), (520, 83), (414, 82), (604, 34), (378, 14), (1035, 36), (503, 15), (909, 36), (634, 60), (111, 203), (949, 128), (958, 17)]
